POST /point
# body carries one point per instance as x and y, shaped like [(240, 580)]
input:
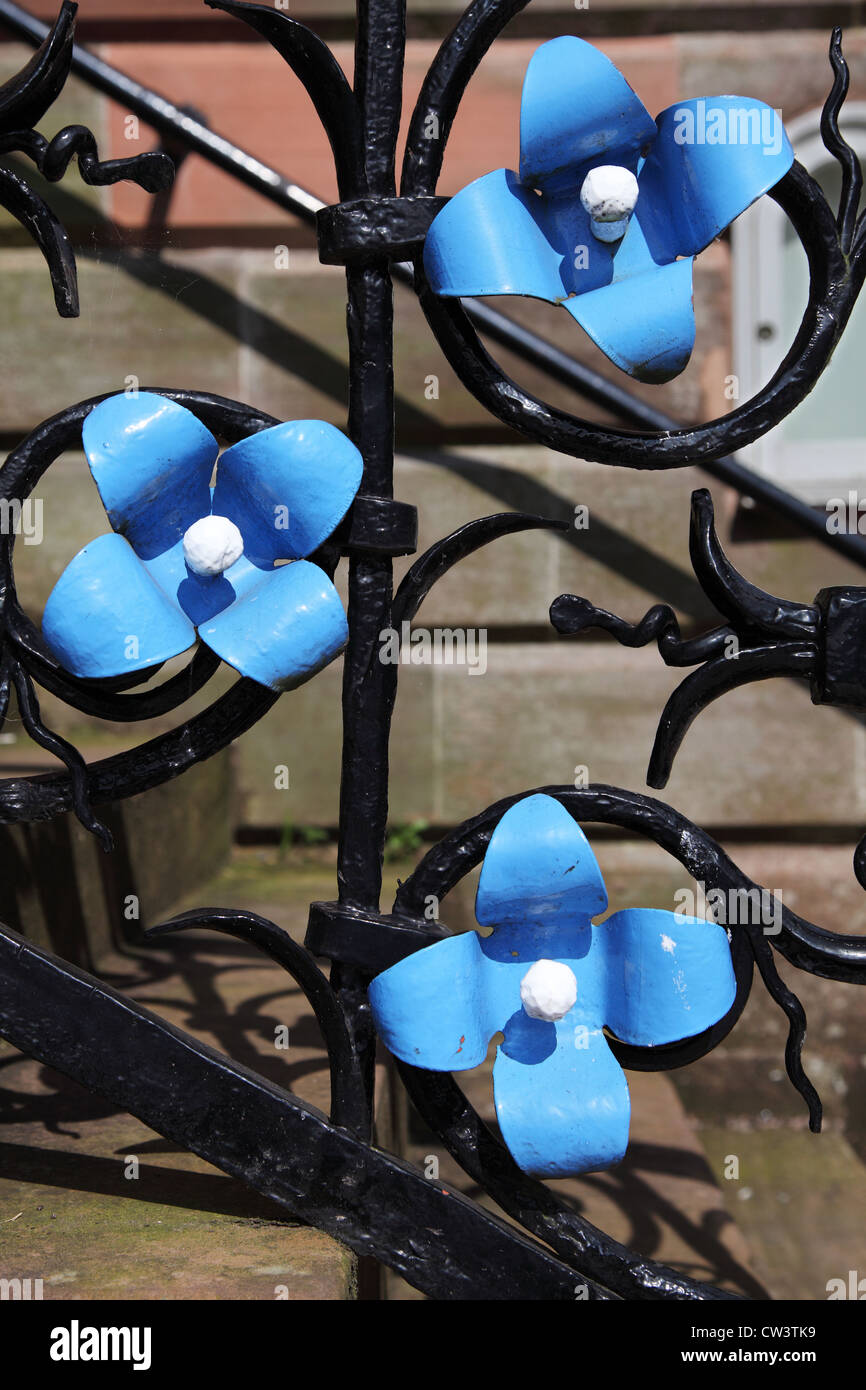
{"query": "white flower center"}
[(609, 194), (548, 990), (212, 545)]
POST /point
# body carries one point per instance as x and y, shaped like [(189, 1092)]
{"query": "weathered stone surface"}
[(462, 741), (59, 888), (180, 1229), (234, 324), (799, 1201), (169, 322), (540, 711), (294, 358), (302, 733)]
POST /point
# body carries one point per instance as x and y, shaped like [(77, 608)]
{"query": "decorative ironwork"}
[(24, 100), (552, 981), (326, 1170), (565, 227), (764, 637)]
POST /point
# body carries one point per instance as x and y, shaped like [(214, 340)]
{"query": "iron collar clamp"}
[(372, 229), (343, 933), (378, 526), (840, 674)]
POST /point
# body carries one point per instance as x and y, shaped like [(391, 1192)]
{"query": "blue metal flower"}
[(610, 207), (186, 557), (551, 981)]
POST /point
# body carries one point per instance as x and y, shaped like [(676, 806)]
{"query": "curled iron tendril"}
[(838, 147), (764, 637), (24, 100), (796, 1016), (28, 706)]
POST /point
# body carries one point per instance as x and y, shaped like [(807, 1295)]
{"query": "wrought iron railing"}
[(323, 1169)]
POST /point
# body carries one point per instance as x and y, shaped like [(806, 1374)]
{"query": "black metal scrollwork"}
[(24, 100), (325, 1170)]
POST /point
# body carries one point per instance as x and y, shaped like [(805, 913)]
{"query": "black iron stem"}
[(369, 685)]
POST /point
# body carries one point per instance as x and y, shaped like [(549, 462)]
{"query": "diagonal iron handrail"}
[(173, 121), (438, 1240)]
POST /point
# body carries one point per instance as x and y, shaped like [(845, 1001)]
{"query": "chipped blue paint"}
[(650, 976), (699, 165), (129, 600)]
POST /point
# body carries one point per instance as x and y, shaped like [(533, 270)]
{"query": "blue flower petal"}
[(576, 108), (691, 190), (539, 868), (668, 977), (645, 324), (491, 238), (283, 629), (440, 1007), (287, 488), (152, 462), (201, 597), (497, 237), (105, 616), (562, 1100)]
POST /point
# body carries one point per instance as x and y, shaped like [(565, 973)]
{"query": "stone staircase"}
[(98, 1206)]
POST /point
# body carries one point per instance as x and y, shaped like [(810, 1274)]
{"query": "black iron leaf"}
[(764, 637), (24, 99)]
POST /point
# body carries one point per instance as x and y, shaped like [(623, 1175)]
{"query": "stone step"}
[(661, 1201), (97, 1205), (61, 890), (626, 549), (799, 1202), (238, 323), (571, 710), (182, 1226)]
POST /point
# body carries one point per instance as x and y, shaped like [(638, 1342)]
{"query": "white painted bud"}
[(609, 194), (212, 545), (548, 990)]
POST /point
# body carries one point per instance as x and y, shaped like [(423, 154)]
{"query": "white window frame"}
[(817, 468)]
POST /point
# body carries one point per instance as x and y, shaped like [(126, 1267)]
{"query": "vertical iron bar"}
[(369, 686)]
